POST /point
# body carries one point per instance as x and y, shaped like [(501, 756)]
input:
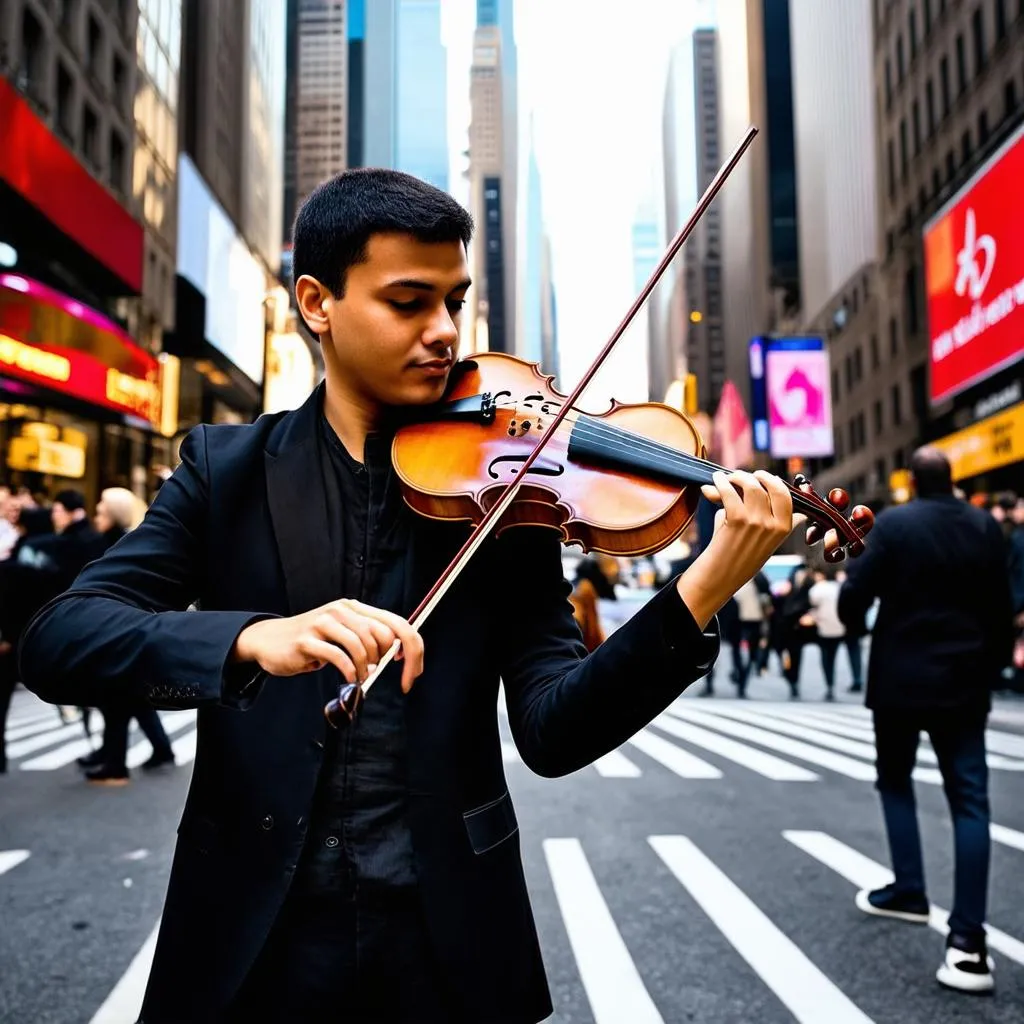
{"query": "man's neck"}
[(351, 417)]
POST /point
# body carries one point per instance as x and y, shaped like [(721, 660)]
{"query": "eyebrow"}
[(423, 286)]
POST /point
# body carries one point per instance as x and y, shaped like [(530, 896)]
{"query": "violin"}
[(504, 449), (625, 482)]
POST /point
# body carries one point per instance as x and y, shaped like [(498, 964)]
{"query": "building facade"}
[(82, 301), (949, 83)]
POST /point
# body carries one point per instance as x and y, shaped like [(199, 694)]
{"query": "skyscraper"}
[(316, 119), (531, 316), (493, 172), (422, 96)]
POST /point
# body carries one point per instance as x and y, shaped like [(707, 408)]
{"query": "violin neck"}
[(595, 441)]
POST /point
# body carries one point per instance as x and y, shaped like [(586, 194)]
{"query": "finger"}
[(710, 493), (780, 500), (319, 650), (730, 497), (412, 642), (331, 629), (755, 497)]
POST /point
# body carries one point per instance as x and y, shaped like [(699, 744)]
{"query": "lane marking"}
[(11, 859), (685, 765), (615, 765), (801, 987), (609, 975), (125, 1000)]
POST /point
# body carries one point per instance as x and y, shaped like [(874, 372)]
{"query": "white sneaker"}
[(967, 972)]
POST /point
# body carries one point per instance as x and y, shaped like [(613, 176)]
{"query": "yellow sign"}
[(900, 485), (989, 444), (141, 396), (38, 455), (34, 360)]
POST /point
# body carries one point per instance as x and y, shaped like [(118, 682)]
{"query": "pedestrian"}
[(752, 601), (369, 872), (937, 565), (117, 512), (593, 584), (824, 601)]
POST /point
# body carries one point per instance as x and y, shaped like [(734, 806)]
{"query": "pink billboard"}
[(799, 402)]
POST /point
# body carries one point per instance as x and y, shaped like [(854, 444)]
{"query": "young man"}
[(371, 873)]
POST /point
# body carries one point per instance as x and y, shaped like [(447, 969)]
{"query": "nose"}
[(443, 331)]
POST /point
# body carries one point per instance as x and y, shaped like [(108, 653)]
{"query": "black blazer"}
[(241, 529), (944, 626)]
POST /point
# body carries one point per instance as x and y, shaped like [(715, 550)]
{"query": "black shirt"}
[(357, 827)]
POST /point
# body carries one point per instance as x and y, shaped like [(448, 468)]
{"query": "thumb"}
[(719, 519)]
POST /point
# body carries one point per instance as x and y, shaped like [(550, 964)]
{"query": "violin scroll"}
[(827, 513)]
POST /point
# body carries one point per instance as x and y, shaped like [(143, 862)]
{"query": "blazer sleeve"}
[(567, 708), (122, 630)]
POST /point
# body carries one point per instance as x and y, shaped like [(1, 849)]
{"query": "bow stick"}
[(351, 695)]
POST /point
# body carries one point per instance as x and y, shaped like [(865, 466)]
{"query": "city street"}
[(705, 872)]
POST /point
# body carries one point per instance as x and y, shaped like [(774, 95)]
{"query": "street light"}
[(696, 316)]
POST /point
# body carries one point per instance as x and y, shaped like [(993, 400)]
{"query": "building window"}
[(916, 119), (848, 365), (892, 168), (944, 85), (900, 68), (982, 127), (950, 166), (894, 336), (835, 385), (912, 30), (852, 428), (65, 102), (94, 47), (903, 149), (1010, 97), (965, 146), (880, 471), (30, 70), (888, 83), (927, 18), (1000, 19), (878, 418), (922, 199), (897, 405), (119, 77), (875, 355), (117, 164), (978, 37), (929, 103), (936, 181), (961, 64), (90, 134), (858, 364)]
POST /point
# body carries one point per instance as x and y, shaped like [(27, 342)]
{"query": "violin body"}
[(456, 470)]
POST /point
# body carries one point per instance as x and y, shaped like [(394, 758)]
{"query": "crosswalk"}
[(611, 960), (780, 742), (38, 740)]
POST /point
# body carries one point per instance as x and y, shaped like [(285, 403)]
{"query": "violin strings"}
[(616, 439)]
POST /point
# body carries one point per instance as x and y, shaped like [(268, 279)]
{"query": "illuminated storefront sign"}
[(53, 341), (974, 276), (981, 447)]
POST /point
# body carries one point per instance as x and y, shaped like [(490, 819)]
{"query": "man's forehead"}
[(404, 256)]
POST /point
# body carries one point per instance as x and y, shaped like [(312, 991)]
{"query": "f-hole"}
[(555, 469)]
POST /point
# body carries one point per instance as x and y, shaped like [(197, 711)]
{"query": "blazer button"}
[(331, 842), (267, 823)]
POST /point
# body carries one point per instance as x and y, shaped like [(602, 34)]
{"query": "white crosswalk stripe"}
[(125, 1000), (800, 986), (770, 767), (684, 764), (609, 975), (865, 873), (11, 859)]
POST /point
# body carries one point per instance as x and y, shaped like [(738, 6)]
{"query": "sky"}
[(592, 88)]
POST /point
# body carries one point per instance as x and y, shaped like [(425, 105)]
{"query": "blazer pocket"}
[(491, 824)]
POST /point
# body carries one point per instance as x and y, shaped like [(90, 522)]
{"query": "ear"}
[(314, 303)]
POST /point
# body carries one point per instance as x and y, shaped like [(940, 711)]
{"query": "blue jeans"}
[(958, 739)]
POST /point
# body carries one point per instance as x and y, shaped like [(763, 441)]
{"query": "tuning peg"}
[(838, 498), (814, 534), (863, 518), (835, 555)]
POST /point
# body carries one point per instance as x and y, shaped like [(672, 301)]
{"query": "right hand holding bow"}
[(348, 634)]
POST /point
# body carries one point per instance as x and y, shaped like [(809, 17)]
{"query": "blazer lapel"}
[(298, 509)]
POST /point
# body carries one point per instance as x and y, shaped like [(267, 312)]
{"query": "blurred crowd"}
[(44, 544)]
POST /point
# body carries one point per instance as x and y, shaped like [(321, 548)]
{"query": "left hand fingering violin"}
[(623, 487)]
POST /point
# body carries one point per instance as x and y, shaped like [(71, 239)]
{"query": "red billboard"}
[(974, 275), (40, 168), (48, 338)]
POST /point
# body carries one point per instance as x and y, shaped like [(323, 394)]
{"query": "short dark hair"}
[(71, 499), (931, 471), (335, 223)]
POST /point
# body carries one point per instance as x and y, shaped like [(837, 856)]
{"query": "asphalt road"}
[(705, 872)]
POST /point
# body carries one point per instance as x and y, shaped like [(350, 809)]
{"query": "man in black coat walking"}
[(938, 566), (374, 872)]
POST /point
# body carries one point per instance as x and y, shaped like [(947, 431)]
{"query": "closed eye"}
[(406, 307)]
